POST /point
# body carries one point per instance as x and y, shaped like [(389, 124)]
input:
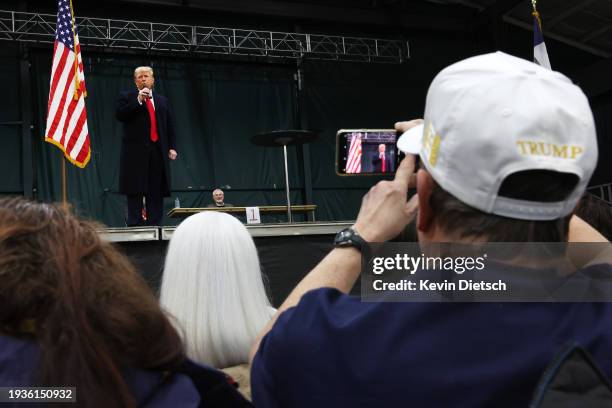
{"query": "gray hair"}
[(213, 287)]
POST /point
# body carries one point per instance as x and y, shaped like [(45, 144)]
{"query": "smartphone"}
[(366, 152)]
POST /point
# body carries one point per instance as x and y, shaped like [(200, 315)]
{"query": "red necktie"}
[(151, 110), (384, 165)]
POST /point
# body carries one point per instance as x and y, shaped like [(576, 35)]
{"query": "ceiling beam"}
[(468, 3), (584, 47), (498, 9), (568, 12), (594, 79), (596, 33), (325, 13)]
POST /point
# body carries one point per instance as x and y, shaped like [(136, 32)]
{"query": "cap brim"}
[(410, 140)]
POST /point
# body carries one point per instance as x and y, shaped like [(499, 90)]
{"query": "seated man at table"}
[(218, 197)]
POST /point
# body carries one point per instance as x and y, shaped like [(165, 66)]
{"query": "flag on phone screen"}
[(353, 161)]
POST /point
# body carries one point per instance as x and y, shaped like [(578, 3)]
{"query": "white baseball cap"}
[(493, 115)]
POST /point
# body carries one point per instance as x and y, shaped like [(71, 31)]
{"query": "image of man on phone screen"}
[(382, 161)]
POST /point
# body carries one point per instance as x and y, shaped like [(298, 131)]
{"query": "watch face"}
[(344, 237), (348, 237)]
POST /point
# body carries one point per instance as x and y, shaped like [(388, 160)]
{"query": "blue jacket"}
[(194, 385)]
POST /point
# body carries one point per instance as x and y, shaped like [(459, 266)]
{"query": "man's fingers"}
[(413, 181), (412, 205), (404, 126), (405, 170)]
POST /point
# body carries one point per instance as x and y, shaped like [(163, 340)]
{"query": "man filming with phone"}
[(325, 348)]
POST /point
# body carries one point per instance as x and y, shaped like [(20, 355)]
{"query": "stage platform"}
[(287, 251), (139, 234)]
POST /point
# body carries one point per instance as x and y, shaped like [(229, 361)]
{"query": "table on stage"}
[(266, 209)]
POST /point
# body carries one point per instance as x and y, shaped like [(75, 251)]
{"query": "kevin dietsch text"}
[(410, 265), (445, 286)]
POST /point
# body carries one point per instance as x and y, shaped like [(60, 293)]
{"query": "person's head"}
[(144, 78), (507, 149), (90, 312), (381, 148), (212, 285), (218, 196)]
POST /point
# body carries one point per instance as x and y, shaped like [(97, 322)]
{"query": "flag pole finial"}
[(535, 13), (540, 55)]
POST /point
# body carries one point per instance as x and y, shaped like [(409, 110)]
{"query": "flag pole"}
[(76, 97), (77, 80), (540, 55), (66, 114), (534, 4)]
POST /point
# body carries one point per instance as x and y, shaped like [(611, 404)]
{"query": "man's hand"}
[(172, 154), (407, 125), (144, 94), (385, 210), (384, 213)]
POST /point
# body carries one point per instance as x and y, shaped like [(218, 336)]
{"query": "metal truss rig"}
[(123, 34)]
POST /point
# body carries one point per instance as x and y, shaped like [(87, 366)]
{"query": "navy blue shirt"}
[(332, 350)]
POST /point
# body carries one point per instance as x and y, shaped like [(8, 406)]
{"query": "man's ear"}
[(425, 186)]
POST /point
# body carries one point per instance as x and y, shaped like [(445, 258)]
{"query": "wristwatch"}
[(348, 237)]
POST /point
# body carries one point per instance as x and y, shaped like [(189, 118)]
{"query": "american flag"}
[(66, 115), (353, 161), (540, 55)]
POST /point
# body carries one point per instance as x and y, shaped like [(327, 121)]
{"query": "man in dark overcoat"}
[(148, 145)]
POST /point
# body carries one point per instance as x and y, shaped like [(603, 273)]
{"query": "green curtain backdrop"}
[(216, 109), (350, 96), (10, 127)]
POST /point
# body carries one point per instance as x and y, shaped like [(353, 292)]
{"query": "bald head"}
[(218, 196)]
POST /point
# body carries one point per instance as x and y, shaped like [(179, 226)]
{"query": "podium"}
[(267, 209)]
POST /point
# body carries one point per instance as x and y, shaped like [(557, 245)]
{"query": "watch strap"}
[(349, 237)]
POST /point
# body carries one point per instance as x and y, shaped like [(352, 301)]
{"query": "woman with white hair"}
[(213, 287)]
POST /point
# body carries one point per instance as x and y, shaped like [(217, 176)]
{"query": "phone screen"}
[(367, 152)]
